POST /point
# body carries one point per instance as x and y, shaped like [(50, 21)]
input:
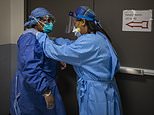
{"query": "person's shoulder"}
[(102, 35), (27, 38), (85, 39), (90, 37)]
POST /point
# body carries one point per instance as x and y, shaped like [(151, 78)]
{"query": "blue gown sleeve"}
[(33, 62), (62, 41), (75, 53)]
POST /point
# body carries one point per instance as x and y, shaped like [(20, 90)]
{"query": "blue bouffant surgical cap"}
[(36, 14), (83, 12)]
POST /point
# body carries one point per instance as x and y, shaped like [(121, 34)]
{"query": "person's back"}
[(98, 55)]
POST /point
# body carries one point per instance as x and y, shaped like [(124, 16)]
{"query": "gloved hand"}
[(49, 99)]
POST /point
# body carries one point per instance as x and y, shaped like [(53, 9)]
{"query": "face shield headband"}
[(73, 16)]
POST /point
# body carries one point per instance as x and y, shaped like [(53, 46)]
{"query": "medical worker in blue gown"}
[(34, 90), (94, 60)]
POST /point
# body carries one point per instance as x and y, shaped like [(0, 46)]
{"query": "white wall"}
[(5, 22), (17, 19), (12, 20), (11, 25)]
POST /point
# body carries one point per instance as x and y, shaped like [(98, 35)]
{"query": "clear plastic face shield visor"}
[(70, 25)]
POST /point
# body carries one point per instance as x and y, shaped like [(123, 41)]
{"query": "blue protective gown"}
[(35, 74), (95, 63)]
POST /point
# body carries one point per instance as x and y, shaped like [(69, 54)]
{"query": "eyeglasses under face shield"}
[(47, 19)]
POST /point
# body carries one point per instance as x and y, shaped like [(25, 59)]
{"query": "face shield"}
[(82, 12), (70, 25)]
